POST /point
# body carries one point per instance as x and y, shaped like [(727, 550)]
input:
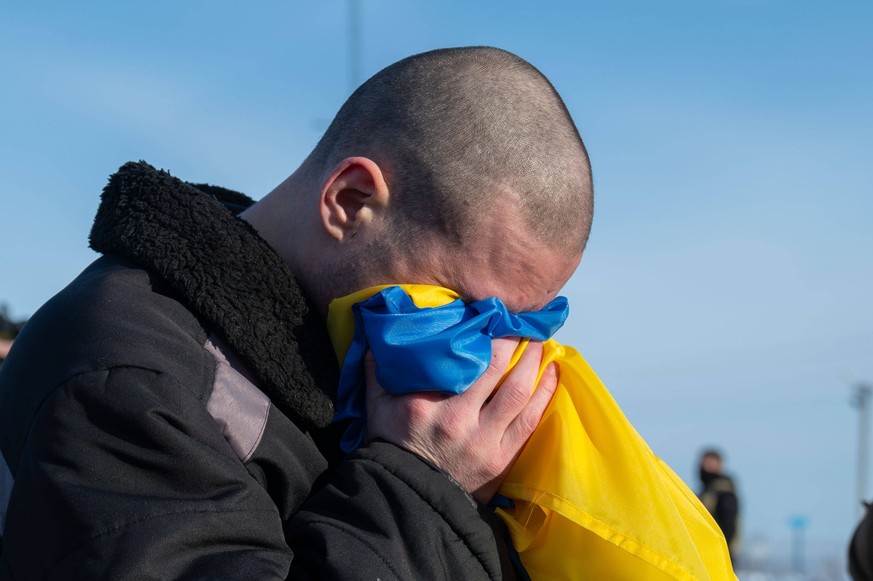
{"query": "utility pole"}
[(861, 401)]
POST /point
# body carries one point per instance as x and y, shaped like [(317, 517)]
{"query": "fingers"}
[(501, 353), (515, 393), (529, 418), (473, 441)]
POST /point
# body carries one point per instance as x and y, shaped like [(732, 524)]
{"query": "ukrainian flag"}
[(589, 498)]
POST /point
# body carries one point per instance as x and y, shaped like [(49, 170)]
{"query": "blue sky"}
[(725, 296)]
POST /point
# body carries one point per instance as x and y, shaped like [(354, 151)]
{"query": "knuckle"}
[(527, 423), (549, 381), (516, 395), (418, 410), (451, 426), (443, 422), (495, 370)]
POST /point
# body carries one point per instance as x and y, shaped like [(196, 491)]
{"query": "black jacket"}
[(861, 548), (719, 496), (166, 416)]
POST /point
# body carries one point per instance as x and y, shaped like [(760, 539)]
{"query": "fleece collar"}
[(228, 276)]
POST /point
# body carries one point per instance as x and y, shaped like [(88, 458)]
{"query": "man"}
[(719, 496), (861, 547), (5, 346), (9, 329), (166, 415)]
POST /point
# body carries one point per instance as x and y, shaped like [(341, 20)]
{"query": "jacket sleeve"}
[(386, 514), (124, 475)]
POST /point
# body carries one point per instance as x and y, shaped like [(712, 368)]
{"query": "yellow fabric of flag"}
[(592, 501)]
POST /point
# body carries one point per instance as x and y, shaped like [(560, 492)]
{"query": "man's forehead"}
[(525, 281), (502, 259), (517, 299)]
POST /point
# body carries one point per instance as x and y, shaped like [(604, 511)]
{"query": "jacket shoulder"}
[(112, 315)]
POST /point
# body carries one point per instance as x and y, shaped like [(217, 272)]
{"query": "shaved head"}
[(458, 167), (467, 137)]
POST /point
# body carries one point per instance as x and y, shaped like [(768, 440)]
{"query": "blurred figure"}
[(861, 549), (5, 346), (719, 496), (8, 331)]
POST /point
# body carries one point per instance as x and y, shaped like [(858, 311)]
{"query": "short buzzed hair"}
[(711, 453), (457, 128)]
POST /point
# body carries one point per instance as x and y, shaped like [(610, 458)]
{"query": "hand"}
[(474, 437)]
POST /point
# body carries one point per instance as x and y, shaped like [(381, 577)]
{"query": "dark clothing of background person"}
[(719, 496), (166, 416), (9, 329), (861, 548)]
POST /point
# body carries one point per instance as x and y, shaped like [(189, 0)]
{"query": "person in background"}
[(9, 329), (861, 548), (5, 346), (719, 496)]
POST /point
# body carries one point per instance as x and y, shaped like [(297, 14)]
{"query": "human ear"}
[(351, 196)]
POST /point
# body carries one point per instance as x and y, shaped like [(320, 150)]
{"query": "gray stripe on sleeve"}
[(239, 407)]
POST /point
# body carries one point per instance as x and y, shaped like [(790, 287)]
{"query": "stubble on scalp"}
[(460, 133)]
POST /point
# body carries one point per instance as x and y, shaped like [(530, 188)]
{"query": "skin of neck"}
[(284, 219), (331, 228)]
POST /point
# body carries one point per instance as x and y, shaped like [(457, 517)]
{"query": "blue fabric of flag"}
[(416, 349)]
